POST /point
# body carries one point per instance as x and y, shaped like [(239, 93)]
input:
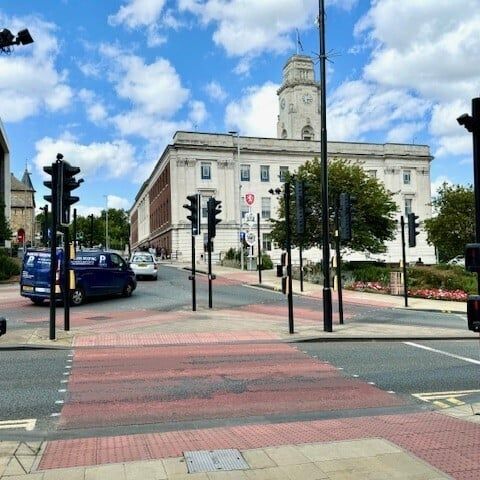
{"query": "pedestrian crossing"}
[(445, 399)]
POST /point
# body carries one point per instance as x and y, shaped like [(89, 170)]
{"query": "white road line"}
[(63, 381), (441, 352), (28, 424), (391, 391), (59, 402), (62, 390), (56, 414), (371, 383)]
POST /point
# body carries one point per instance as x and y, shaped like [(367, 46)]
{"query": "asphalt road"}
[(30, 381), (407, 368)]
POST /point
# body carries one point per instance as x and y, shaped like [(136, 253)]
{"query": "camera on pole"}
[(194, 208), (472, 264), (345, 217), (412, 229), (213, 209)]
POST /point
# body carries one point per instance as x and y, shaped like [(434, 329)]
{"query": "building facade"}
[(229, 167), (23, 222), (5, 177)]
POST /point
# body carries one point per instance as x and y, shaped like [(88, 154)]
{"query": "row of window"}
[(406, 175), (206, 172), (266, 211)]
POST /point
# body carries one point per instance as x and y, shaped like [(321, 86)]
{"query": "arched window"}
[(307, 133), (284, 133)]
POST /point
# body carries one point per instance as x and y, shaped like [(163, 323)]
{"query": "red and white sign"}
[(249, 199)]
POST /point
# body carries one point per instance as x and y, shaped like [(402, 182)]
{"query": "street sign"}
[(250, 218), (242, 235), (249, 199), (251, 238)]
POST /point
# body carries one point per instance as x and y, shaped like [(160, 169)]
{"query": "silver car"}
[(144, 264)]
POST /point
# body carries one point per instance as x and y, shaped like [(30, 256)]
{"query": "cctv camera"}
[(467, 121)]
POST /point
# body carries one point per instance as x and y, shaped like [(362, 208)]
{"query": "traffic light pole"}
[(91, 230), (476, 171), (75, 230), (45, 226), (339, 267), (53, 249), (300, 249), (209, 252), (259, 261), (66, 280), (289, 256), (404, 257), (192, 278)]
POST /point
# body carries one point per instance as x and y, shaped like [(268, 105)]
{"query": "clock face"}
[(282, 103), (307, 98)]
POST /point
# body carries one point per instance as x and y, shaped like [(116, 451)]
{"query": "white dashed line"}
[(56, 414), (59, 402), (62, 390), (441, 352)]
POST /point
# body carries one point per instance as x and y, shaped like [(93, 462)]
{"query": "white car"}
[(144, 264)]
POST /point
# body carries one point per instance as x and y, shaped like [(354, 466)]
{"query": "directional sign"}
[(249, 199), (250, 238), (250, 218)]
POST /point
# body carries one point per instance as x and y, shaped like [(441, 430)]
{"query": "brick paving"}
[(195, 381), (413, 432)]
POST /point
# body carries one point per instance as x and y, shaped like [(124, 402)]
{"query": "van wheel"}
[(77, 297), (128, 290)]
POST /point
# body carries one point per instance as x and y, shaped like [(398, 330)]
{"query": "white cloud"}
[(137, 13), (405, 132), (105, 160), (96, 110), (198, 112), (358, 107), (118, 202), (215, 91), (429, 48), (255, 114), (29, 79), (85, 210)]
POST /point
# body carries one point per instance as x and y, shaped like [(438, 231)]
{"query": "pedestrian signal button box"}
[(473, 313), (472, 257)]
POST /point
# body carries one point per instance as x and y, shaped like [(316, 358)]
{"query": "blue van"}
[(96, 273)]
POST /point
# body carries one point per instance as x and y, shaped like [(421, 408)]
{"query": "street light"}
[(8, 40), (234, 133), (106, 222)]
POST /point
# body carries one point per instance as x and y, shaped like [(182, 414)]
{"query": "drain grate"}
[(214, 460)]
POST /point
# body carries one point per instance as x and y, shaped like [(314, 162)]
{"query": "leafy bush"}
[(8, 266), (368, 273), (267, 263), (445, 277), (230, 254)]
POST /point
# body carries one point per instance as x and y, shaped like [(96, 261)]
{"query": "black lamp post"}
[(327, 291), (8, 40)]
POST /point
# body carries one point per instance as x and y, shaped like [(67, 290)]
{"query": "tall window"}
[(408, 206), (407, 177), (372, 173), (204, 207), (266, 207), (283, 173), (244, 208), (264, 173), (245, 173), (267, 242), (206, 170)]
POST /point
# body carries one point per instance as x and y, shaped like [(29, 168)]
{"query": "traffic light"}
[(300, 202), (472, 257), (213, 211), (68, 182), (3, 326), (194, 209), (412, 229), (52, 185), (473, 312), (345, 217)]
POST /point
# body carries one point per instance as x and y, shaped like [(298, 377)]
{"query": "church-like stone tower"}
[(299, 101)]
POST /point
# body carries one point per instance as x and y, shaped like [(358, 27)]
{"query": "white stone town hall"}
[(228, 167)]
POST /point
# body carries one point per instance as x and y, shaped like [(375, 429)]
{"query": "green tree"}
[(373, 221), (454, 223), (5, 230)]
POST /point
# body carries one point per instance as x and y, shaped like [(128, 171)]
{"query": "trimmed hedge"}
[(445, 277), (8, 266)]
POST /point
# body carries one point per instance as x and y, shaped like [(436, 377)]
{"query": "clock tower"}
[(299, 101)]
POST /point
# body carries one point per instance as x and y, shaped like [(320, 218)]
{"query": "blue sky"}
[(107, 83)]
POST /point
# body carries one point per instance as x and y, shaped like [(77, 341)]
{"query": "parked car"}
[(458, 260), (144, 264), (96, 273)]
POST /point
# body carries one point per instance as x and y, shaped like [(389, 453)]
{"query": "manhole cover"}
[(214, 460), (99, 317)]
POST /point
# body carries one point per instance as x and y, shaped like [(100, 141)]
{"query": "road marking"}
[(56, 414), (441, 352), (62, 390), (445, 399), (355, 376), (63, 381), (28, 424), (391, 391), (371, 383), (59, 402)]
